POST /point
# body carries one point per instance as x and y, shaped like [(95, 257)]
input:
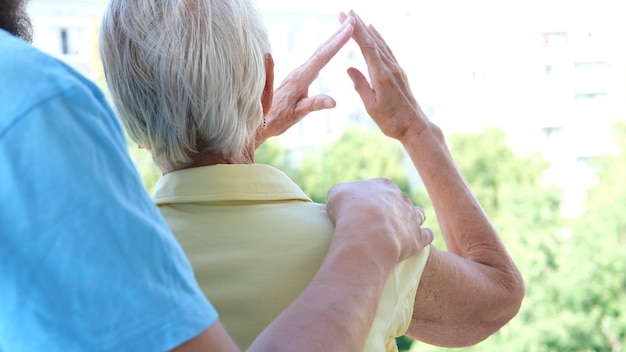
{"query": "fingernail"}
[(351, 75), (328, 103), (421, 213)]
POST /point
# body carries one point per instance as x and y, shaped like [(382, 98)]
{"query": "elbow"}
[(474, 328), (468, 307), (506, 307), (507, 294), (514, 292), (482, 328)]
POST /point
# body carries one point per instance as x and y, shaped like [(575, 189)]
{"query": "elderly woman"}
[(192, 80)]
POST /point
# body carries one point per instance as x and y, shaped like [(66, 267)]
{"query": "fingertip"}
[(430, 237), (329, 103), (354, 14), (351, 28), (353, 73), (348, 26), (346, 20), (350, 20)]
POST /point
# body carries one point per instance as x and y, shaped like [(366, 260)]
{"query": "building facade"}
[(68, 30)]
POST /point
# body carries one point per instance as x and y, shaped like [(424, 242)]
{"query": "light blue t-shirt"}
[(86, 261)]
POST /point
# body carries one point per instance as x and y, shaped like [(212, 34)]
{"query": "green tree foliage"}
[(576, 300), (142, 159), (606, 205), (273, 153), (359, 154), (594, 258)]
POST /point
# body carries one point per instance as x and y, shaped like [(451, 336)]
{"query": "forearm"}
[(465, 227), (336, 310), (477, 261)]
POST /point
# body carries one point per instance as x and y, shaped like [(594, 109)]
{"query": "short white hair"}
[(186, 76)]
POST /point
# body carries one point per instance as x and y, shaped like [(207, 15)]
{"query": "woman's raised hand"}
[(291, 100)]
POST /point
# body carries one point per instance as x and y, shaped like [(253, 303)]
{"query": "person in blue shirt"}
[(88, 264)]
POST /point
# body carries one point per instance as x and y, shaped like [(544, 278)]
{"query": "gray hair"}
[(186, 76)]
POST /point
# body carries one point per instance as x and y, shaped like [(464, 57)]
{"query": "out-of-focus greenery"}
[(145, 166), (359, 154)]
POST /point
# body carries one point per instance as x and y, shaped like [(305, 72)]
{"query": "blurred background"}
[(532, 98)]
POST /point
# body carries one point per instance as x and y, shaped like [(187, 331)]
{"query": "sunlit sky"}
[(488, 27), (481, 15)]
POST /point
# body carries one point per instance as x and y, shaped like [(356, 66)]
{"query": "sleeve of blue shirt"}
[(86, 261)]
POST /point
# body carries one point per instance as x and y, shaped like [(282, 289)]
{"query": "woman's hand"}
[(291, 100), (380, 219), (388, 100)]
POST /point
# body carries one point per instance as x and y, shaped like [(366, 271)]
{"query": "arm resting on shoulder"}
[(376, 227)]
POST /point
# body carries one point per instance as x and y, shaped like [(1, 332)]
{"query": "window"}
[(479, 76), (551, 132), (582, 161), (593, 66), (70, 40), (65, 44), (588, 96)]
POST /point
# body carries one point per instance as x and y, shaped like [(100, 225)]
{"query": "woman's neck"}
[(212, 158)]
